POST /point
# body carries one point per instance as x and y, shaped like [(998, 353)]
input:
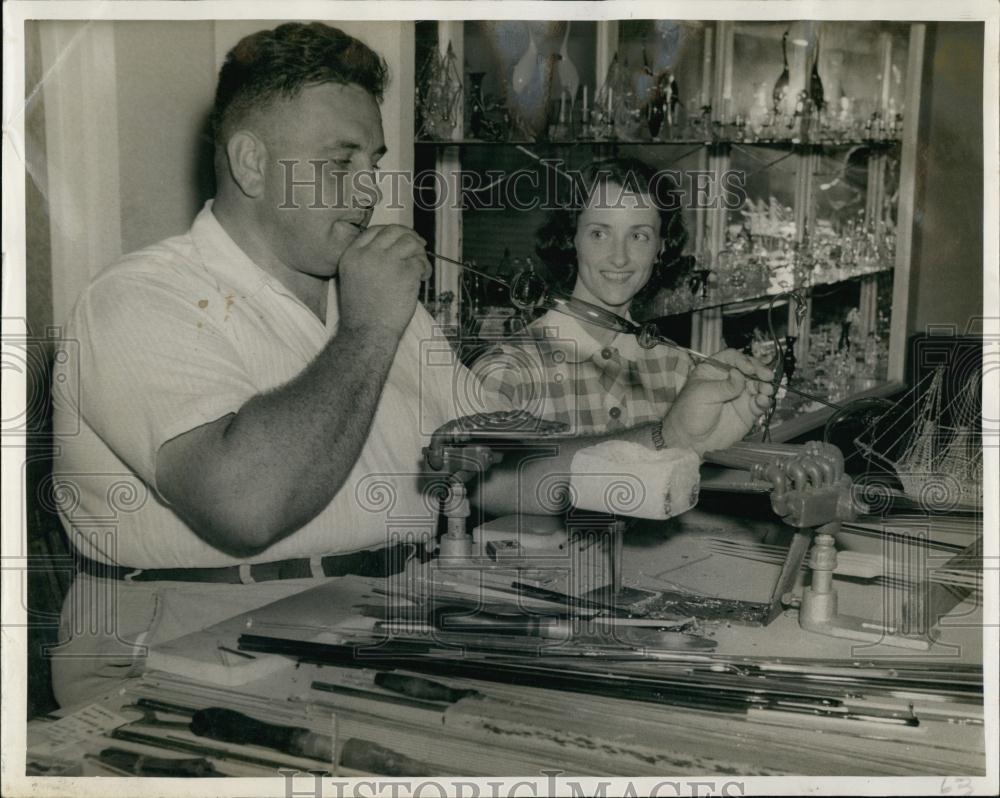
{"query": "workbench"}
[(507, 729)]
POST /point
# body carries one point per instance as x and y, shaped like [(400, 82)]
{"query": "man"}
[(246, 377)]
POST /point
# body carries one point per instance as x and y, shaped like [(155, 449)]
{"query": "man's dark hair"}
[(278, 63), (555, 241)]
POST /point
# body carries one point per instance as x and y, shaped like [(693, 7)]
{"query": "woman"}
[(615, 247)]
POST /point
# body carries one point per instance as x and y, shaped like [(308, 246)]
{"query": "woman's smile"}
[(617, 276)]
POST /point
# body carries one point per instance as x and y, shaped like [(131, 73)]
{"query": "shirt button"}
[(615, 412), (606, 353)]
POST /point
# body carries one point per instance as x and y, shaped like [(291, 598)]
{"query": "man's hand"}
[(717, 406), (380, 274)]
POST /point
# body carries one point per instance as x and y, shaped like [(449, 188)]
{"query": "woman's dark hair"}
[(279, 63), (555, 240)]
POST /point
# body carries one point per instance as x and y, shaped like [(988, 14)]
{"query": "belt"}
[(378, 563)]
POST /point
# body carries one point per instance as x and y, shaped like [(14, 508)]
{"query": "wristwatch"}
[(656, 432)]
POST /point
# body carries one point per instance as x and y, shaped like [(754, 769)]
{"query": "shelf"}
[(700, 142), (561, 143), (747, 300), (883, 142)]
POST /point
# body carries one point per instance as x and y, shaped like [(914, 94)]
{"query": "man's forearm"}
[(281, 459)]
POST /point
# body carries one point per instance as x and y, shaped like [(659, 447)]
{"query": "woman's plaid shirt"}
[(559, 372)]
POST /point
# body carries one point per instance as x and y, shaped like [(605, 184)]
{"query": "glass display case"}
[(812, 121)]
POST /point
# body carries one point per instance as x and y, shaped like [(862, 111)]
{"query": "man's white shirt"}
[(185, 332)]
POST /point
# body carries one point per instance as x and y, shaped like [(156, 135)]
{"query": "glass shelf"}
[(559, 142), (883, 142), (679, 308)]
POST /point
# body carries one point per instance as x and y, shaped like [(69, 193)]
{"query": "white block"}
[(625, 478)]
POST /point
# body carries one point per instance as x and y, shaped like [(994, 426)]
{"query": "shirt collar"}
[(586, 346), (223, 257)]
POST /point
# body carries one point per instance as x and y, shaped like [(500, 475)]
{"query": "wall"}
[(81, 154), (947, 270), (38, 248), (165, 76)]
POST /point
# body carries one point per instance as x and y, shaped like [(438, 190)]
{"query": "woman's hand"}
[(718, 406)]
